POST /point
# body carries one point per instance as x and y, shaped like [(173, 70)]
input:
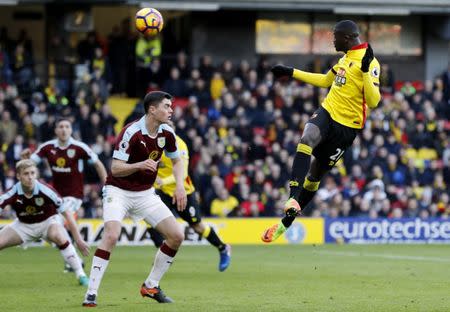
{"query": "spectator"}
[(174, 85), (225, 205), (252, 207), (8, 128)]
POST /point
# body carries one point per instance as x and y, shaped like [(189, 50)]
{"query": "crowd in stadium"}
[(241, 127)]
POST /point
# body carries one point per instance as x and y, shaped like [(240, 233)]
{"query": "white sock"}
[(160, 266), (98, 268), (71, 257)]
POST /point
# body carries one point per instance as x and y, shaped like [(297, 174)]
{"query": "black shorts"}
[(192, 212), (336, 138)]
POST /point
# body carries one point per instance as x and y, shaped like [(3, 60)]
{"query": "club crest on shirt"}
[(161, 142), (39, 201), (70, 152)]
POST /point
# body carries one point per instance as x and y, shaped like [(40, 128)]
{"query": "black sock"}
[(306, 194), (214, 240), (305, 197), (287, 221), (299, 169), (157, 238)]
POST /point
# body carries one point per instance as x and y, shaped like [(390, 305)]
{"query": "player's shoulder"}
[(46, 188), (166, 130), (79, 144), (375, 62), (130, 130), (181, 144), (47, 145), (48, 191), (374, 68), (9, 193)]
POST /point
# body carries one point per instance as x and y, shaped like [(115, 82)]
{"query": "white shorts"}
[(71, 203), (35, 231), (147, 205)]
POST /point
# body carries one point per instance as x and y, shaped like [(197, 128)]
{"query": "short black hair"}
[(347, 27), (61, 119), (154, 98)]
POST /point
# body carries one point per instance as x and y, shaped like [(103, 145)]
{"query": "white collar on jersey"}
[(144, 130), (55, 143), (143, 127), (35, 190)]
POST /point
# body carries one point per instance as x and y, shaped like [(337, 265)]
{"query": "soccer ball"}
[(149, 21)]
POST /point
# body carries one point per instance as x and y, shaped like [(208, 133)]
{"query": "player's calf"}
[(110, 235)]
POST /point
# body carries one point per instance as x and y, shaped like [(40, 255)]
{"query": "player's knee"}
[(111, 238), (111, 233), (176, 237), (311, 139)]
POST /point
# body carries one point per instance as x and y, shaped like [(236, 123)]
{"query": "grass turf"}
[(260, 278)]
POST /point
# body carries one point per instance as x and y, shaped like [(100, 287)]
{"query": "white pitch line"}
[(385, 256)]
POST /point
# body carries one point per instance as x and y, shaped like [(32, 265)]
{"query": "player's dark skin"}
[(345, 37)]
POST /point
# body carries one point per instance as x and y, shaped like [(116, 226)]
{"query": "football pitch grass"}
[(260, 278)]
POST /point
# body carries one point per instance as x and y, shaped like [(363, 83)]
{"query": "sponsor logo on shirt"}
[(340, 79), (60, 162), (154, 155)]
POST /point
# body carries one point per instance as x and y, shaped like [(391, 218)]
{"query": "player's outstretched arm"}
[(179, 197), (371, 74), (318, 80), (72, 225), (101, 171)]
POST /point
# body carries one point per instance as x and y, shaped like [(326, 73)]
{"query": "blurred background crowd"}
[(241, 127)]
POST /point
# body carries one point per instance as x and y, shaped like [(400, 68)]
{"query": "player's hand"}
[(367, 59), (180, 198), (25, 154), (83, 247), (282, 71), (149, 164)]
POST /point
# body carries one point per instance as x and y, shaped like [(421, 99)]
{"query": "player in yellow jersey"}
[(354, 83), (165, 188)]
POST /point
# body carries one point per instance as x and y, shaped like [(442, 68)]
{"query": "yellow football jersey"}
[(345, 102), (165, 171)]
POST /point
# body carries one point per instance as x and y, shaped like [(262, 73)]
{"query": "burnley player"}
[(37, 206), (66, 157), (354, 83), (129, 191)]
